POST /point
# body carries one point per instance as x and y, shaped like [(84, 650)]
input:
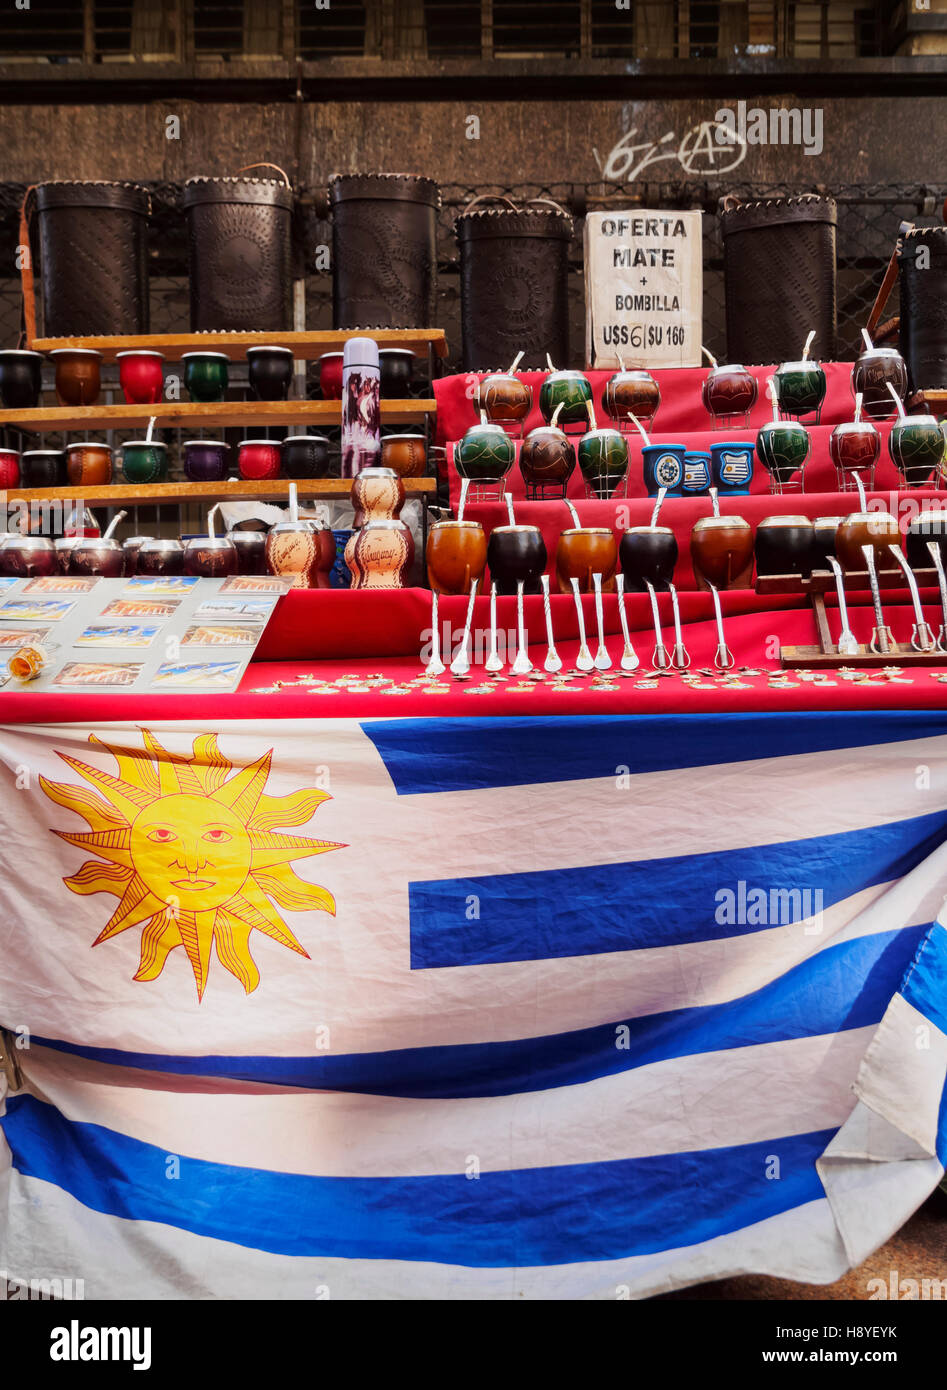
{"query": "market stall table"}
[(558, 987)]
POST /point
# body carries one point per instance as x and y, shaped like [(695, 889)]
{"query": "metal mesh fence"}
[(868, 219)]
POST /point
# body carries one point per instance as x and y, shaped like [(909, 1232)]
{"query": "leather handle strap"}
[(27, 282), (266, 165), (887, 285)]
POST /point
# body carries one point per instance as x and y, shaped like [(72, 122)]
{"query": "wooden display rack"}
[(193, 416), (826, 655)]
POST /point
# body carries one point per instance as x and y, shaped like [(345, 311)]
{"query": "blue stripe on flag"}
[(441, 755), (527, 1216), (653, 902), (844, 986), (926, 989)]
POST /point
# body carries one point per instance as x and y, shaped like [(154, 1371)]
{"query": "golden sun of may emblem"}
[(193, 853)]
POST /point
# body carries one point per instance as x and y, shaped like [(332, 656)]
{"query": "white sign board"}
[(643, 288)]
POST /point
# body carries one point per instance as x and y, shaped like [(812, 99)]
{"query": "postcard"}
[(140, 608), (98, 673), (255, 584), (215, 675), (19, 636), (37, 610), (219, 635), (234, 608), (61, 584), (117, 635), (163, 585)]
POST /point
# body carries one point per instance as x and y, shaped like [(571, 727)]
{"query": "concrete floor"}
[(918, 1251)]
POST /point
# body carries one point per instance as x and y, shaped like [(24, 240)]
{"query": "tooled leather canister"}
[(779, 277), (922, 333), (239, 253), (93, 258), (514, 285), (384, 250)]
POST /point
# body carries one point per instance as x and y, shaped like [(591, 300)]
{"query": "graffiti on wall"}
[(701, 152)]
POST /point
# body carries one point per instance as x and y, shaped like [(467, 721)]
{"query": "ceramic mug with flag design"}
[(664, 468), (731, 463)]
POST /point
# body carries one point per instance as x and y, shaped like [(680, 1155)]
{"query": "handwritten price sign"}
[(643, 288)]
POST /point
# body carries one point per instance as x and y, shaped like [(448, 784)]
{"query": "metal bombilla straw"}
[(659, 659), (679, 656), (680, 659), (119, 516), (603, 661), (584, 660), (933, 548), (644, 435), (899, 404), (521, 663), (847, 642), (493, 663), (553, 660), (881, 639), (461, 662), (723, 658), (922, 639), (638, 426), (435, 666), (629, 658)]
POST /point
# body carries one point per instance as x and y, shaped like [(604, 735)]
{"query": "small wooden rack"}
[(826, 655)]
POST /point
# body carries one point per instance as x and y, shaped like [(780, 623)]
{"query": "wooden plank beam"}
[(193, 415), (307, 346), (231, 489)]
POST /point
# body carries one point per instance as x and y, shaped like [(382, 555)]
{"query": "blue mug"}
[(340, 576), (697, 474), (663, 467), (731, 463)]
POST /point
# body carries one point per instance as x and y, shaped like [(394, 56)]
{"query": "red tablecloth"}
[(681, 419), (323, 636)]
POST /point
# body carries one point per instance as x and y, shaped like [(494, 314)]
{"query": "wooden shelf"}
[(891, 576), (191, 415), (900, 654), (232, 490), (305, 346)]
